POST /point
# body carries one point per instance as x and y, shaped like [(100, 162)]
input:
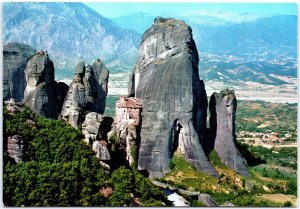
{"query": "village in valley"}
[(267, 139)]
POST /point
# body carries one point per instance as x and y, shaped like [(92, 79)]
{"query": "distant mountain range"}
[(267, 37), (69, 31), (254, 47)]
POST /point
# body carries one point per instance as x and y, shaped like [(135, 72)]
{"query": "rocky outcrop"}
[(15, 148), (94, 129), (85, 93), (222, 124), (43, 95), (100, 148), (14, 107), (127, 126), (91, 127), (94, 136), (15, 57), (174, 99), (128, 138)]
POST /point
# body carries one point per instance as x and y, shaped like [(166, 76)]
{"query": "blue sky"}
[(111, 10)]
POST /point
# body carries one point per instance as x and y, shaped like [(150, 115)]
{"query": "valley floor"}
[(286, 93)]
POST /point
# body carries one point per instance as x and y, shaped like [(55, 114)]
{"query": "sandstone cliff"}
[(87, 93), (43, 95), (15, 57), (166, 79), (222, 125)]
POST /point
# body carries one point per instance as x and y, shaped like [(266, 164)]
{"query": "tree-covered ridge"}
[(59, 169)]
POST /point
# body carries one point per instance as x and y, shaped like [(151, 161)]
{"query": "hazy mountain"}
[(69, 31), (267, 37), (248, 49), (141, 21)]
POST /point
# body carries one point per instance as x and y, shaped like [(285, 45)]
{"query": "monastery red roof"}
[(130, 102)]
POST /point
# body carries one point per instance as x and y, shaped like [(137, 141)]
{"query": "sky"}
[(112, 10)]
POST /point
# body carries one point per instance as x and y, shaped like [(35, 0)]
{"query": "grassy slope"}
[(230, 186)]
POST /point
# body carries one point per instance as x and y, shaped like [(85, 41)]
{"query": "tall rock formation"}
[(15, 57), (222, 124), (101, 73), (166, 79), (43, 95), (87, 93)]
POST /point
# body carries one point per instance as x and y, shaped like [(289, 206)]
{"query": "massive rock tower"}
[(174, 99), (87, 92), (15, 57), (43, 95)]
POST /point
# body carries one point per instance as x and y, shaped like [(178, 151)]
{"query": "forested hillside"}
[(59, 169)]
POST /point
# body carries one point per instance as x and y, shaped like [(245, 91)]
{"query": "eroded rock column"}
[(43, 95), (223, 106)]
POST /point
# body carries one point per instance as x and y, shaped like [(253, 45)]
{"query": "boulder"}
[(84, 95), (222, 124), (166, 79), (227, 204), (266, 189), (43, 95), (207, 200), (15, 57), (249, 185)]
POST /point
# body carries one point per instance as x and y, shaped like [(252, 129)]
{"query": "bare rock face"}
[(222, 123), (100, 148), (166, 79), (91, 127), (85, 93), (126, 127), (43, 95), (127, 133), (102, 74), (207, 200), (15, 148), (15, 57)]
